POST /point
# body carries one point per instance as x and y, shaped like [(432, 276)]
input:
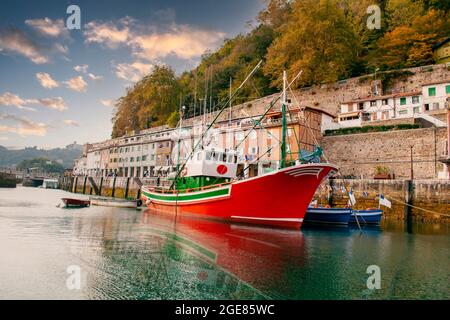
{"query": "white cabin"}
[(212, 162)]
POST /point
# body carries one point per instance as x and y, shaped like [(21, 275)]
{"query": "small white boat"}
[(50, 184), (113, 202)]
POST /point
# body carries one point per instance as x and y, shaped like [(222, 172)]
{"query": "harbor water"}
[(49, 252)]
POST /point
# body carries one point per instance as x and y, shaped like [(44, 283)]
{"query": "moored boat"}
[(114, 202), (369, 216), (279, 198), (76, 203), (207, 185), (321, 215)]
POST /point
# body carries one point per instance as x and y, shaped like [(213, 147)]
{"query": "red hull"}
[(276, 199)]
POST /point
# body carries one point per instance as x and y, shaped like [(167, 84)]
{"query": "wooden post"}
[(113, 187), (330, 192), (138, 195), (126, 188), (101, 186), (409, 188), (74, 190), (84, 184)]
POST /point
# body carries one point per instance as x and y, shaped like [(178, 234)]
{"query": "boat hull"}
[(366, 216), (327, 216), (118, 203), (279, 198), (76, 203)]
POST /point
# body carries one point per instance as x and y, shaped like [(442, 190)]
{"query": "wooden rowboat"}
[(113, 202), (76, 203)]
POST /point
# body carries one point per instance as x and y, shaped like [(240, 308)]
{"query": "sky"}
[(58, 85)]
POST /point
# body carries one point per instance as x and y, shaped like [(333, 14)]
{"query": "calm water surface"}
[(139, 254)]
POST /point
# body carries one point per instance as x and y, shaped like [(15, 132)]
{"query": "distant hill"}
[(64, 156)]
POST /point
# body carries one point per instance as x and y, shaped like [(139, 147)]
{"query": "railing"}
[(172, 191)]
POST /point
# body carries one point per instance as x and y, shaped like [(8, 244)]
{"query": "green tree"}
[(316, 39)]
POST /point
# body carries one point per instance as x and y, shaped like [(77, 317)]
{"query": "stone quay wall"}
[(431, 195), (329, 96), (358, 155)]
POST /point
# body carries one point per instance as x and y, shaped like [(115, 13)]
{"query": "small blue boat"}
[(371, 216), (327, 216)]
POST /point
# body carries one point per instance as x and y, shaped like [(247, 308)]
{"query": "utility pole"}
[(412, 164)]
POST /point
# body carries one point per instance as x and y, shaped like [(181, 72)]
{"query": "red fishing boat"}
[(206, 185), (279, 198)]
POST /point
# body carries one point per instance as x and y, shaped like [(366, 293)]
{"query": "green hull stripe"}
[(182, 197)]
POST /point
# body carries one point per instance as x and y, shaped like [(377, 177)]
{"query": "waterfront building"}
[(430, 100), (435, 95), (154, 152)]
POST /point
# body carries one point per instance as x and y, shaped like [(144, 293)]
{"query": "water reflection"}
[(128, 254)]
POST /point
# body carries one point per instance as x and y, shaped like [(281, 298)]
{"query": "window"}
[(350, 108), (415, 99), (374, 116), (199, 156), (432, 91), (208, 156), (403, 112), (132, 159), (403, 101), (144, 158), (447, 89), (138, 159), (416, 109), (427, 107), (230, 158), (373, 103), (435, 105), (384, 102), (152, 157), (361, 106)]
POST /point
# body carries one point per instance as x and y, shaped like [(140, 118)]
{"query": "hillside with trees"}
[(327, 39), (10, 157), (42, 164)]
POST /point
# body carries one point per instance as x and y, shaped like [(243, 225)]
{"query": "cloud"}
[(3, 138), (108, 33), (94, 77), (150, 43), (10, 99), (46, 80), (83, 68), (49, 27), (107, 103), (71, 123), (61, 48), (132, 71), (182, 41), (54, 103), (15, 41), (76, 84), (24, 127)]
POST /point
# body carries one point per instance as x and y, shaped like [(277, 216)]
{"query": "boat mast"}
[(283, 121)]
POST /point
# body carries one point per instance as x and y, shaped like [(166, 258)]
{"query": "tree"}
[(149, 103), (318, 40), (411, 45)]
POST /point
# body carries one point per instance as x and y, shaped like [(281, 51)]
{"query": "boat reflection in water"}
[(252, 257)]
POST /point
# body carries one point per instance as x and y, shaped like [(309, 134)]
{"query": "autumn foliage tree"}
[(316, 39)]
